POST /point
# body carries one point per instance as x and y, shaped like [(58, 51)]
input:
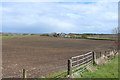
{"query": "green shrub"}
[(45, 35), (84, 36)]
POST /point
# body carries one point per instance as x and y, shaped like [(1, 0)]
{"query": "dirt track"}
[(44, 55)]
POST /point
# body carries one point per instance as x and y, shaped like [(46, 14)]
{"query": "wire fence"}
[(80, 62)]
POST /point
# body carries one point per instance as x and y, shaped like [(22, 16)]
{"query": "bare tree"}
[(116, 32)]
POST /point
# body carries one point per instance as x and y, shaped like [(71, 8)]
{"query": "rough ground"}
[(44, 55)]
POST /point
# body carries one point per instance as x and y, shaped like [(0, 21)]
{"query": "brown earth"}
[(42, 56)]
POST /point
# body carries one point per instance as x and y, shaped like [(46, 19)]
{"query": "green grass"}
[(108, 70), (10, 36), (55, 76), (61, 74), (90, 38), (98, 39)]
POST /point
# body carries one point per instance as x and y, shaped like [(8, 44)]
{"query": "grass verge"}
[(108, 70), (62, 74)]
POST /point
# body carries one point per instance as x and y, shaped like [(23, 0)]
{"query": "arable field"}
[(42, 56)]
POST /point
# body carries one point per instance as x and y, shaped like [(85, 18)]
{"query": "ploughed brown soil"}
[(42, 56)]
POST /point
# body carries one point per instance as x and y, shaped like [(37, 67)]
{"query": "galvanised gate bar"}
[(79, 63)]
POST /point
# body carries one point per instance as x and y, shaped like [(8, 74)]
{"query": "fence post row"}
[(70, 67)]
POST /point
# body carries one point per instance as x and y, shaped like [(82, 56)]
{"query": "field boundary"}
[(93, 60), (87, 59)]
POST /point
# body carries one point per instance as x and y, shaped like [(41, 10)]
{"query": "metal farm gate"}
[(79, 63)]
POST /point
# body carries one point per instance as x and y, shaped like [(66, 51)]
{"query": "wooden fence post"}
[(24, 74), (70, 67), (93, 57)]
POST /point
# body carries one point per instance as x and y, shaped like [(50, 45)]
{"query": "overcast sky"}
[(68, 17)]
